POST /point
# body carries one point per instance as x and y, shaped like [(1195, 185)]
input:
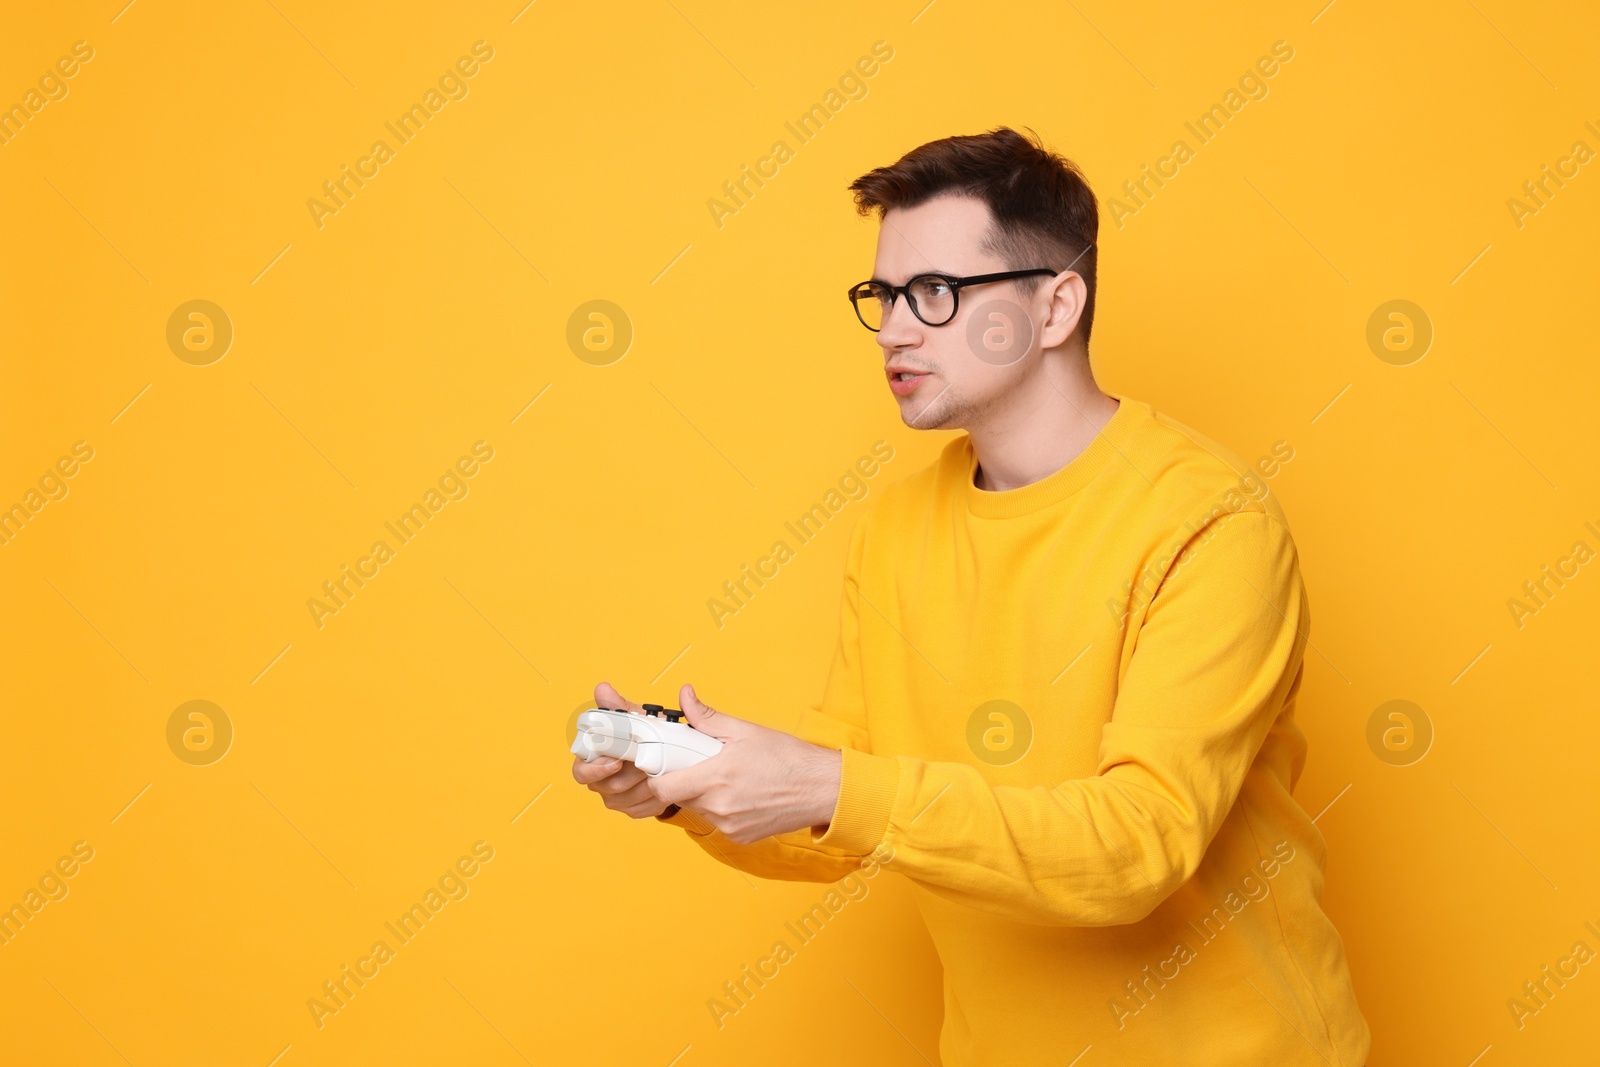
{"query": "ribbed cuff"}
[(689, 821), (867, 788)]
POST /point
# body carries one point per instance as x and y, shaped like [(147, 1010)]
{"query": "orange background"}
[(431, 711)]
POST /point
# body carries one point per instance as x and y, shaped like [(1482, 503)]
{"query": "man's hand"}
[(621, 785), (763, 782)]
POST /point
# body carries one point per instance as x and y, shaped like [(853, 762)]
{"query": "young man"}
[(1094, 805)]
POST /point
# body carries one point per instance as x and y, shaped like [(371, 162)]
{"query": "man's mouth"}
[(902, 382)]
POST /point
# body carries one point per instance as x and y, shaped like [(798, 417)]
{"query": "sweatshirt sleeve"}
[(1216, 659), (840, 722)]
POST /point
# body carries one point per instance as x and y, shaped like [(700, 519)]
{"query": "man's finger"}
[(681, 787), (647, 810), (605, 696), (587, 771), (626, 778), (634, 796), (707, 719), (617, 774)]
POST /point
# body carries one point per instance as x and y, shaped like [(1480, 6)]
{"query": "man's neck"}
[(1045, 424)]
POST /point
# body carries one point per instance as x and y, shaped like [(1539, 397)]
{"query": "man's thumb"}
[(707, 719)]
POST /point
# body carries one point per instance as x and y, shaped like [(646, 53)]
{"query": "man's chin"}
[(926, 412), (927, 417)]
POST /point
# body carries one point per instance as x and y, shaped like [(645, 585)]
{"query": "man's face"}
[(972, 362)]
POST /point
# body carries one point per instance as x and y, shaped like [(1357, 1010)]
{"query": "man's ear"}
[(1068, 293)]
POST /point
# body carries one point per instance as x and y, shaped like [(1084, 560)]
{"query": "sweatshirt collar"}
[(1108, 446)]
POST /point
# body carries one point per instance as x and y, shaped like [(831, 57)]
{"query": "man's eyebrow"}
[(920, 273)]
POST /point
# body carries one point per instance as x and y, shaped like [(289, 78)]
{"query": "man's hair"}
[(1044, 211)]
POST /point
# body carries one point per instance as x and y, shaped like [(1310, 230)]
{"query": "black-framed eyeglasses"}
[(933, 297)]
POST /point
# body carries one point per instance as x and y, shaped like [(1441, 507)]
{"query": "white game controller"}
[(656, 740)]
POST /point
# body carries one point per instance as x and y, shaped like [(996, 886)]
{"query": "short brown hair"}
[(1044, 211)]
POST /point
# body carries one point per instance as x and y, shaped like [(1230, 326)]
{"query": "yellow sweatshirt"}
[(1066, 713)]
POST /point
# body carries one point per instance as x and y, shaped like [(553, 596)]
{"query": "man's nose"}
[(900, 326)]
